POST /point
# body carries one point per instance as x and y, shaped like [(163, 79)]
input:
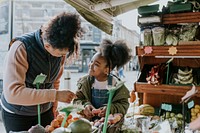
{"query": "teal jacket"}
[(120, 101)]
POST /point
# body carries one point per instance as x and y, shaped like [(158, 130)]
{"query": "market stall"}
[(169, 61)]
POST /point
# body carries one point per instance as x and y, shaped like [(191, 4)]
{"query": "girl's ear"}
[(107, 70)]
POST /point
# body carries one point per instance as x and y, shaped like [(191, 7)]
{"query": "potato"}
[(180, 116), (55, 123), (197, 106), (60, 118), (172, 114), (192, 110), (196, 110), (50, 128)]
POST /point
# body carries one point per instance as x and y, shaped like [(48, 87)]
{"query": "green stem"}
[(38, 107), (65, 118), (111, 93)]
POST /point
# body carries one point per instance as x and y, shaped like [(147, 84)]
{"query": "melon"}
[(81, 126)]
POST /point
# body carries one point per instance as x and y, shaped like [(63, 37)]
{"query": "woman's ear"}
[(47, 46)]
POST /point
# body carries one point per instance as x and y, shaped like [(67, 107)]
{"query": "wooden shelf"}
[(183, 50)]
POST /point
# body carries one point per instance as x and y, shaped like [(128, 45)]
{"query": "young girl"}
[(92, 88)]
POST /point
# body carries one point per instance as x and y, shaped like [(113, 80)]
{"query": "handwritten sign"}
[(190, 104), (166, 107), (148, 50)]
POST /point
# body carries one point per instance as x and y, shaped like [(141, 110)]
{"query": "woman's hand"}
[(55, 111), (88, 111), (65, 96)]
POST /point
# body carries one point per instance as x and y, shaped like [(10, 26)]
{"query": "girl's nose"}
[(90, 64)]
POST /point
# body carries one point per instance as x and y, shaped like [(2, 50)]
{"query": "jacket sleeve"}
[(120, 103), (14, 88), (83, 92)]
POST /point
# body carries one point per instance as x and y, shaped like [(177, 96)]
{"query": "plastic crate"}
[(180, 7), (151, 9)]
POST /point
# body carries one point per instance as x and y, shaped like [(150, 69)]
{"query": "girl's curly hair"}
[(117, 54), (63, 31)]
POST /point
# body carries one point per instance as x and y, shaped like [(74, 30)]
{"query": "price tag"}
[(40, 79), (172, 50), (148, 50), (190, 104), (166, 107)]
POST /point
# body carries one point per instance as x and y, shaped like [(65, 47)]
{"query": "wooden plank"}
[(183, 50), (181, 18), (163, 89), (191, 17), (181, 14), (182, 21)]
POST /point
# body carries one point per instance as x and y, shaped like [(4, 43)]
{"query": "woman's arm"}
[(14, 87)]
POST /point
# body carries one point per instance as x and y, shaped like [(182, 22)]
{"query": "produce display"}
[(184, 76), (79, 123), (172, 117), (56, 123)]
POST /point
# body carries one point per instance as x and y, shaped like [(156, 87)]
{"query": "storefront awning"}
[(101, 12)]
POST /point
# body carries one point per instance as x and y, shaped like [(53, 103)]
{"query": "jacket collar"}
[(39, 39)]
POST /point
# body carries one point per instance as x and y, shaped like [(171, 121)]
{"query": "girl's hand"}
[(88, 111), (102, 113)]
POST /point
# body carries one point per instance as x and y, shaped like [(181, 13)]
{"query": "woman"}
[(43, 51)]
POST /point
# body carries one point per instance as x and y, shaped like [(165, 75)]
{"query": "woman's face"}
[(55, 52), (98, 67)]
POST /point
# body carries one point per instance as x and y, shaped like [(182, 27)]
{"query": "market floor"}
[(130, 78)]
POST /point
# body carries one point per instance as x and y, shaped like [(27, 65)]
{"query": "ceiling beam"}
[(104, 15), (112, 3)]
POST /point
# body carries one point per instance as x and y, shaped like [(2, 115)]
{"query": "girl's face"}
[(98, 67)]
